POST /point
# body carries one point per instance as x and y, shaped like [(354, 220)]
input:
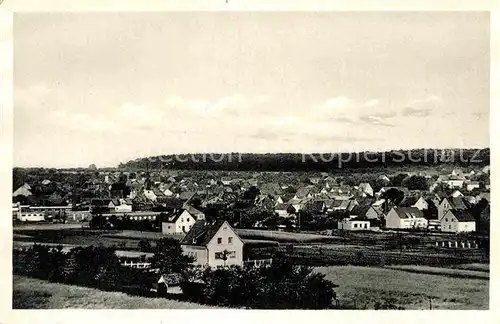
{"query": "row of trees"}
[(314, 162)]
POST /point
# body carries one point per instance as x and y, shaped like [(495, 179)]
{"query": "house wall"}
[(467, 226), (32, 217), (123, 209), (282, 213), (421, 204), (455, 183), (354, 225), (450, 224), (372, 213), (392, 220), (213, 247), (471, 187), (182, 225), (168, 228), (199, 253), (443, 207)]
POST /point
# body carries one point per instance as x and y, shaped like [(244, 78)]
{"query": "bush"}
[(282, 285)]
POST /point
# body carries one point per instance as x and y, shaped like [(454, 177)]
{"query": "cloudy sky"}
[(104, 88)]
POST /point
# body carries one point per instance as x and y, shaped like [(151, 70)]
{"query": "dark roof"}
[(458, 203), (360, 210), (202, 232), (172, 203), (317, 205), (100, 202), (463, 216), (409, 212), (187, 195), (283, 206)]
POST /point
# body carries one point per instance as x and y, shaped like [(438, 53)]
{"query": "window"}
[(366, 225), (169, 227), (449, 226), (446, 219), (182, 219), (183, 228), (230, 240), (219, 240), (355, 225), (232, 254)]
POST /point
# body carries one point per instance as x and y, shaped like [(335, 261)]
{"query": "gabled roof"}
[(22, 191), (462, 215), (408, 212), (202, 232)]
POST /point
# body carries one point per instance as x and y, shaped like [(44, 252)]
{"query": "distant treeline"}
[(314, 161)]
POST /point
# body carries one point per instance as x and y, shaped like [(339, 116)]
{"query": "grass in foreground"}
[(363, 286), (29, 293)]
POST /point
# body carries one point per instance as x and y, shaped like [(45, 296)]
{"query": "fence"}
[(258, 263), (458, 244), (138, 265)]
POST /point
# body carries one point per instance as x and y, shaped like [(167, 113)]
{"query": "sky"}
[(105, 88)]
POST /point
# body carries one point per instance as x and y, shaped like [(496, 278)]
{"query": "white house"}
[(365, 189), (454, 181), (285, 210), (472, 185), (26, 214), (180, 221), (455, 221), (213, 244), (150, 194), (405, 218), (353, 224), (421, 204)]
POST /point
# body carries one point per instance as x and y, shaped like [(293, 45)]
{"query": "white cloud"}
[(372, 103), (335, 104), (284, 120), (234, 104)]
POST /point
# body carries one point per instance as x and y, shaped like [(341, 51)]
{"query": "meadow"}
[(362, 287)]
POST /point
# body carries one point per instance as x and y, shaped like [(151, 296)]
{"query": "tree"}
[(170, 259), (397, 180), (145, 245), (416, 183), (393, 197)]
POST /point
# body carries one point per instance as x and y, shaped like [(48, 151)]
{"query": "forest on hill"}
[(313, 161)]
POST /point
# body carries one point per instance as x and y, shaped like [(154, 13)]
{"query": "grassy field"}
[(31, 293), (456, 273), (363, 286), (283, 237)]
